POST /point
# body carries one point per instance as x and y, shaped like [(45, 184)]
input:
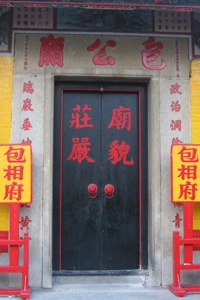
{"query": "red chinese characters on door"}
[(121, 118), (118, 150), (80, 150), (80, 117)]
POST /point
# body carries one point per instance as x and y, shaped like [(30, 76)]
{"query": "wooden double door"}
[(100, 177)]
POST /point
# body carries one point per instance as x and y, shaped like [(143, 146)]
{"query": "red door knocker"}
[(92, 190), (109, 190)]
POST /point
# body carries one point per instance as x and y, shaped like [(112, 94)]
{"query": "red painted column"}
[(14, 233), (188, 231)]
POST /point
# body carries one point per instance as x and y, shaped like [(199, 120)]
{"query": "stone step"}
[(97, 283)]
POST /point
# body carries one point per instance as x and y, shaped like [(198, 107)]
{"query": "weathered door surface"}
[(100, 177)]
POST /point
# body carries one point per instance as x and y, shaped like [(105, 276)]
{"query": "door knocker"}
[(109, 190), (92, 190)]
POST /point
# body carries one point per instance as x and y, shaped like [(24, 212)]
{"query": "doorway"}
[(100, 201)]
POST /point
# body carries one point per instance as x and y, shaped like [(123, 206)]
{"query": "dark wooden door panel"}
[(100, 138), (81, 215), (120, 218)]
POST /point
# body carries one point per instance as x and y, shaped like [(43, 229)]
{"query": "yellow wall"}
[(6, 77), (195, 119)]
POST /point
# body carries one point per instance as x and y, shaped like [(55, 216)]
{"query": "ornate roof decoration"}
[(173, 5)]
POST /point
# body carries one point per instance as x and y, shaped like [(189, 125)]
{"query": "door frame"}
[(153, 274), (141, 89)]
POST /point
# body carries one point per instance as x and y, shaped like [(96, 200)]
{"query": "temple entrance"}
[(100, 177)]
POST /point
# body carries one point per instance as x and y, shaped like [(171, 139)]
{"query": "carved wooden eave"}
[(171, 5)]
